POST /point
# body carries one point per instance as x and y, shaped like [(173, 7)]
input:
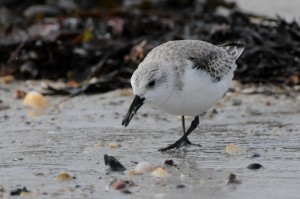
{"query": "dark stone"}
[(180, 186), (232, 179), (169, 162), (114, 164), (18, 191), (254, 166)]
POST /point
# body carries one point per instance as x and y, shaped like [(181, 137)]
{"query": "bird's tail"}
[(234, 48)]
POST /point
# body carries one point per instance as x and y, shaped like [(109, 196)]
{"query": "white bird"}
[(184, 77)]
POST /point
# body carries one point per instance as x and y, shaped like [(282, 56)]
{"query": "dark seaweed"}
[(108, 40)]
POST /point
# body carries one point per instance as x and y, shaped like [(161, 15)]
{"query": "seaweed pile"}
[(98, 44)]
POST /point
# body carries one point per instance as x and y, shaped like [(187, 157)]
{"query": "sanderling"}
[(184, 77)]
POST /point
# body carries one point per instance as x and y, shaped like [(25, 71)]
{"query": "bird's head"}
[(151, 83)]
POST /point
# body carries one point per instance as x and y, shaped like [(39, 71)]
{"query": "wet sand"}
[(75, 133)]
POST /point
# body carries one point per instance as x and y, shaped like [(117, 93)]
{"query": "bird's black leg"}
[(179, 142), (185, 141), (183, 124)]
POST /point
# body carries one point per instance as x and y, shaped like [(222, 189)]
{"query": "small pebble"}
[(39, 174), (169, 163), (99, 144), (231, 90), (52, 132), (255, 112), (255, 155), (113, 145), (126, 191), (63, 176), (1, 188), (215, 111), (254, 166), (4, 107), (144, 115), (268, 103), (232, 149), (180, 186), (236, 102), (232, 179), (114, 164), (18, 191), (18, 159), (19, 94), (121, 184)]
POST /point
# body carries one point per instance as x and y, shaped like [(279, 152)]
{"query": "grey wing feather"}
[(215, 60), (215, 63), (218, 62), (234, 48)]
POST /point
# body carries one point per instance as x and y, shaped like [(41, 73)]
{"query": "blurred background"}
[(94, 46), (286, 9)]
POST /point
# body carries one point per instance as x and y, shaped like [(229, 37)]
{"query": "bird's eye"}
[(151, 83)]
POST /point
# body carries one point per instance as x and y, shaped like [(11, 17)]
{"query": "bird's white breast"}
[(198, 93)]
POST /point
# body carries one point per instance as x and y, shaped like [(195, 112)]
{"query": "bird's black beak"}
[(134, 107)]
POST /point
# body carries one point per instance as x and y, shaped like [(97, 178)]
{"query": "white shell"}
[(144, 167)]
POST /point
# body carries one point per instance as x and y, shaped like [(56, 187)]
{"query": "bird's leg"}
[(186, 141), (179, 142), (183, 124)]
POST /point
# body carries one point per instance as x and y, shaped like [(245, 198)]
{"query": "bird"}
[(184, 78)]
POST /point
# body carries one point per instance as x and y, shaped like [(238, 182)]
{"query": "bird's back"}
[(216, 60)]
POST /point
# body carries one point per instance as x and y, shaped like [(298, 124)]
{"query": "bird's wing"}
[(217, 61), (234, 49), (216, 65)]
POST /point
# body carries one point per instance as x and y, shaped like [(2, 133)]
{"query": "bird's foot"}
[(176, 145), (179, 143), (186, 142)]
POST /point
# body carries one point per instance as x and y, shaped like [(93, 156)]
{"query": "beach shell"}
[(118, 184), (35, 100), (144, 168), (134, 172), (64, 176), (160, 172), (232, 149), (26, 194), (113, 145), (7, 79)]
